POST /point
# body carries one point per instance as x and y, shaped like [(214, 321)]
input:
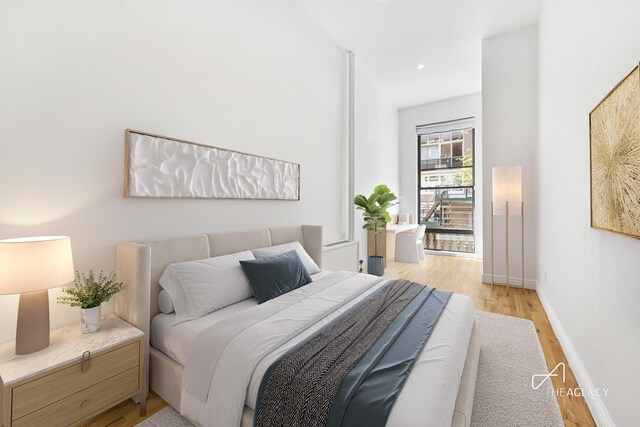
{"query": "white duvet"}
[(226, 361)]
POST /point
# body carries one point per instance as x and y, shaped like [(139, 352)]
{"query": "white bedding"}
[(442, 358), (428, 397), (175, 341)]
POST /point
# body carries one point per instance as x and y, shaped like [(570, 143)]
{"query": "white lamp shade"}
[(35, 263), (507, 187)]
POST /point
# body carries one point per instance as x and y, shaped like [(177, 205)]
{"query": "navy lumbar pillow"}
[(273, 276)]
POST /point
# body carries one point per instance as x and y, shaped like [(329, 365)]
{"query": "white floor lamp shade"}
[(30, 266), (507, 187)]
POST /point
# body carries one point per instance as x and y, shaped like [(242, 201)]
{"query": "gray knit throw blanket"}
[(301, 389)]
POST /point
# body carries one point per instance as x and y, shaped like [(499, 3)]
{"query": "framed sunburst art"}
[(615, 159)]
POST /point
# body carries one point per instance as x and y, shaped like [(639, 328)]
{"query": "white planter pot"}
[(90, 319)]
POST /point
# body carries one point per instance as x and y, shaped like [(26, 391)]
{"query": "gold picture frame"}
[(285, 179), (614, 152)]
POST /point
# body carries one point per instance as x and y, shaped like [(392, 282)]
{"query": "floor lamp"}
[(507, 201)]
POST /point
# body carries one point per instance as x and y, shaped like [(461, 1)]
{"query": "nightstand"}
[(77, 377)]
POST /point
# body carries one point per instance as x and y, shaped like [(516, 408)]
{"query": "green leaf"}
[(374, 208), (386, 198), (89, 291), (360, 200)]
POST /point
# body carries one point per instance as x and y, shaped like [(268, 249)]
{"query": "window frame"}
[(471, 187)]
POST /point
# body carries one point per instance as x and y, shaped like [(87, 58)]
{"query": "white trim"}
[(514, 282), (441, 127), (468, 255), (338, 244), (351, 142), (597, 407)]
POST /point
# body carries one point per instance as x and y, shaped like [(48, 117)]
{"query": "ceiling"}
[(392, 37)]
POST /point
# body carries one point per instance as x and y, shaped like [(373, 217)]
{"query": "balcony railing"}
[(441, 163), (449, 242)]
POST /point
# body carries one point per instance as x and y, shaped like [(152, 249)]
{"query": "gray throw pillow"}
[(273, 276)]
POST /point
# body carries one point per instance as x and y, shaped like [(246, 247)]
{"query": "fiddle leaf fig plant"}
[(91, 291), (374, 210)]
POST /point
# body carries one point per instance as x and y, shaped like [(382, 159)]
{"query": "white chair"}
[(409, 246)]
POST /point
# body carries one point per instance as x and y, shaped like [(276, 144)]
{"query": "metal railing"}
[(441, 163)]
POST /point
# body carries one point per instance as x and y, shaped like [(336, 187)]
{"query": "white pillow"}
[(200, 287), (164, 302), (309, 263)]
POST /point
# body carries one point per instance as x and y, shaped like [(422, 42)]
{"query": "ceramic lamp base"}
[(32, 332)]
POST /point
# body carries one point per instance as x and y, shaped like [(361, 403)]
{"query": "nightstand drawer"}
[(46, 390), (84, 403)]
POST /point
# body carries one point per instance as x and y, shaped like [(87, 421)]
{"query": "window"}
[(446, 185)]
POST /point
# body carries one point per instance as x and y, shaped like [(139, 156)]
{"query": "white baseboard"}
[(515, 282), (597, 407)]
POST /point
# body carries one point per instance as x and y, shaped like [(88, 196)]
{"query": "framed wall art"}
[(614, 126), (162, 167)]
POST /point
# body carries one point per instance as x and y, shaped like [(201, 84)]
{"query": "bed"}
[(439, 389)]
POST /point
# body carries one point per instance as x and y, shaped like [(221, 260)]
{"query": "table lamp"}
[(29, 267), (507, 201)]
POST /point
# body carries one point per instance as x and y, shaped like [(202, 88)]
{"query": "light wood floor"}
[(455, 274)]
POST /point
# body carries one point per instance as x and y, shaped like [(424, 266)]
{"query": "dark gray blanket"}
[(351, 371)]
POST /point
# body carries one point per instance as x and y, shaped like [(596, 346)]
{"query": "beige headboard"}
[(140, 264)]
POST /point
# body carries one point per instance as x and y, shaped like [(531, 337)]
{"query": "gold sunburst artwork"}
[(615, 159)]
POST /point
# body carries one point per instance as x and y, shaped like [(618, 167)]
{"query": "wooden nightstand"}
[(77, 377)]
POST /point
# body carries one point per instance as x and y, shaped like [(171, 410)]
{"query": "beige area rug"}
[(509, 356)]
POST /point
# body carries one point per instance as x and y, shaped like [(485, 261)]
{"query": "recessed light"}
[(420, 66)]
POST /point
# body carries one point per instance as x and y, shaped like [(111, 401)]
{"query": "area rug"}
[(167, 417), (509, 356)]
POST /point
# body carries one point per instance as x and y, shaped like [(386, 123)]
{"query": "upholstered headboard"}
[(140, 264)]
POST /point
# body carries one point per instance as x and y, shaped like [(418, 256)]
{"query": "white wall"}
[(510, 123), (449, 109), (376, 146), (592, 280), (248, 75)]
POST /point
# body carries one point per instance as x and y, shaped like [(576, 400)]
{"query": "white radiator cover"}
[(340, 256)]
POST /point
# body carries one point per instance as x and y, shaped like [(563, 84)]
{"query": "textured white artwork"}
[(162, 167)]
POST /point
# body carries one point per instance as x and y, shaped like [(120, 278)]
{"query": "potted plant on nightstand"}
[(374, 210), (89, 293)]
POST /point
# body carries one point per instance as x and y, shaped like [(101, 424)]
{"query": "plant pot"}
[(375, 265), (90, 319)]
